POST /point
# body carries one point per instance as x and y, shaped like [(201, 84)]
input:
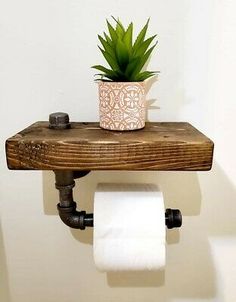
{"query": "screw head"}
[(59, 120)]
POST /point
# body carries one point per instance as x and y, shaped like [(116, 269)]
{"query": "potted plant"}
[(122, 88)]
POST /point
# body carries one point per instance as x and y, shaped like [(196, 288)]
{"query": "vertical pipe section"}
[(67, 207), (65, 184)]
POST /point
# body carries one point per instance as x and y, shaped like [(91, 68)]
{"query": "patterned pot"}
[(122, 105)]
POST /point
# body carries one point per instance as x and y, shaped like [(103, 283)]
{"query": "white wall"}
[(47, 48)]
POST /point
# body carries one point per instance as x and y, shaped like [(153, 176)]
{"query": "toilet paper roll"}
[(129, 227)]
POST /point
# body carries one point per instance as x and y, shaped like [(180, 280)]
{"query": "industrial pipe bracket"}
[(80, 219)]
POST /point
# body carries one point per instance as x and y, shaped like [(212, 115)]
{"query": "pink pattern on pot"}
[(122, 105)]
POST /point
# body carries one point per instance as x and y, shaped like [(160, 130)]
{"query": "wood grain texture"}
[(159, 146)]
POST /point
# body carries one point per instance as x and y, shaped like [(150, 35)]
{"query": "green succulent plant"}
[(125, 58)]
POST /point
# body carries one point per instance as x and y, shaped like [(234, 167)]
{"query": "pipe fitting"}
[(59, 121), (67, 207), (73, 218), (173, 218)]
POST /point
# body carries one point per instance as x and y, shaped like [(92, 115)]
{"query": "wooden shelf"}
[(159, 146)]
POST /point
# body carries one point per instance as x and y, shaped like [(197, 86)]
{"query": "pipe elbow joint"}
[(74, 219), (71, 217)]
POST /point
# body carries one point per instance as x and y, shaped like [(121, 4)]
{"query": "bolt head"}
[(59, 120)]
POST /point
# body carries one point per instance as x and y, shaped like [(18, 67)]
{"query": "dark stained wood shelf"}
[(159, 146)]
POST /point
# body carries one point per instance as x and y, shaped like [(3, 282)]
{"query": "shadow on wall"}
[(150, 103), (4, 286), (190, 271)]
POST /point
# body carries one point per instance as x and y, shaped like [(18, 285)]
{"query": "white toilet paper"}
[(129, 227)]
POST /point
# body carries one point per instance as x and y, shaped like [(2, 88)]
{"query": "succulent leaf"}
[(107, 47), (108, 39), (119, 28), (131, 66), (145, 75), (125, 58), (112, 32), (144, 46), (141, 36), (128, 38), (105, 70), (112, 62), (142, 62), (122, 54)]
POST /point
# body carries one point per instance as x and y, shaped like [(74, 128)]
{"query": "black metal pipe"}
[(67, 207), (65, 184), (88, 220)]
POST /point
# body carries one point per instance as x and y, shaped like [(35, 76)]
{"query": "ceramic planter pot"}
[(122, 105)]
